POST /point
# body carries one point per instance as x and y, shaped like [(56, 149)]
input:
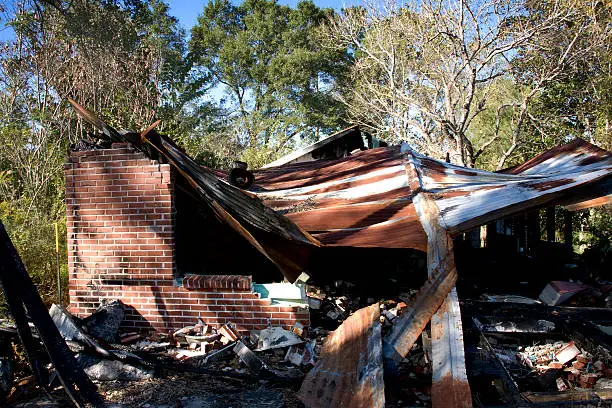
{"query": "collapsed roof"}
[(387, 198), (365, 200)]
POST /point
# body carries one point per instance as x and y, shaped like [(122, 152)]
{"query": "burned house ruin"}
[(175, 241)]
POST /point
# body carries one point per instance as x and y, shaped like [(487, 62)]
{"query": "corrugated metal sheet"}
[(300, 154), (468, 198), (365, 200), (349, 372)]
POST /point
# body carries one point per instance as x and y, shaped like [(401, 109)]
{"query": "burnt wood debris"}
[(298, 210)]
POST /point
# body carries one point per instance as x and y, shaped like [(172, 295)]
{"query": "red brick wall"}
[(121, 246)]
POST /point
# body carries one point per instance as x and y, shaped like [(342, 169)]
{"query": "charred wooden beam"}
[(16, 281), (15, 307), (409, 327), (584, 398), (450, 387), (533, 230), (349, 372)]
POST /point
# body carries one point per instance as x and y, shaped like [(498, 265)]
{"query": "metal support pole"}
[(57, 261)]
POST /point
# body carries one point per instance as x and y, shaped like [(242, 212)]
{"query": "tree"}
[(275, 77), (578, 102), (423, 71), (122, 59)]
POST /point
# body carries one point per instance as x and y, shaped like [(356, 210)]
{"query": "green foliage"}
[(577, 101), (276, 77), (123, 59), (498, 117), (34, 238), (256, 157), (595, 229)]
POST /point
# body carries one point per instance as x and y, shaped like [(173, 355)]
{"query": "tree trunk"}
[(469, 151)]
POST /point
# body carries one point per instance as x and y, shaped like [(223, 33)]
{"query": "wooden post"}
[(450, 387), (550, 224), (521, 232), (491, 234), (568, 231), (533, 230)]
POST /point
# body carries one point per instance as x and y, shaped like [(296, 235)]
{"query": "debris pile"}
[(333, 304), (579, 368), (329, 307), (549, 356), (203, 345), (556, 366), (575, 294), (199, 340)]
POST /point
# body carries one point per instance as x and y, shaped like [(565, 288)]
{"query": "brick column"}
[(120, 222)]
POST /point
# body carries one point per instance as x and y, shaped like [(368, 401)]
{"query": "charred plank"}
[(16, 281)]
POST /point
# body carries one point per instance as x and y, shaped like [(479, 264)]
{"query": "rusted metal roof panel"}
[(363, 200), (468, 197), (569, 156), (349, 372), (397, 233), (317, 172)]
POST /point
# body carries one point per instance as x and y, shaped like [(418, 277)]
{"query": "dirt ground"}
[(184, 390)]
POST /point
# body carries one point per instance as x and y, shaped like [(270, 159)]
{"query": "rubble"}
[(298, 329), (573, 368), (228, 334), (148, 345), (111, 370), (603, 384), (510, 299), (567, 353), (129, 337), (66, 325), (181, 354), (302, 354), (314, 303), (218, 354), (509, 326), (105, 321), (249, 358), (559, 292), (274, 337)]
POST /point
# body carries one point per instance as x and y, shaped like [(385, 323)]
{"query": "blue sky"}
[(187, 11)]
